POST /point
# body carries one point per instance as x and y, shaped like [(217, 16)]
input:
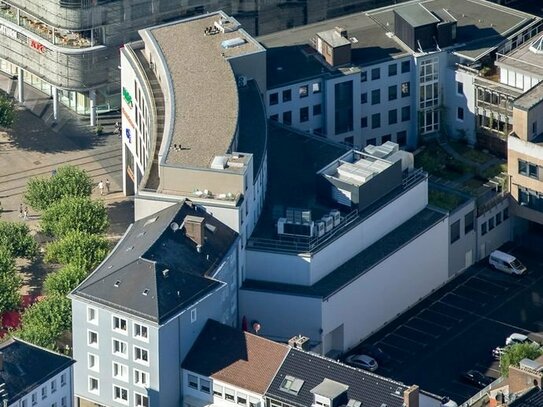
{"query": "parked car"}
[(363, 361), (506, 263), (377, 353), (476, 378), (518, 338)]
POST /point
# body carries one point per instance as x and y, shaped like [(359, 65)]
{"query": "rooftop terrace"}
[(196, 53), (523, 59)]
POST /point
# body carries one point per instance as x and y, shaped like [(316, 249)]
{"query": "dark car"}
[(377, 353), (476, 378)]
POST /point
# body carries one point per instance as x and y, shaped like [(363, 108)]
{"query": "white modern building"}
[(34, 376)]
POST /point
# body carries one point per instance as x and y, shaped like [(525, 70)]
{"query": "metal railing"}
[(479, 397)]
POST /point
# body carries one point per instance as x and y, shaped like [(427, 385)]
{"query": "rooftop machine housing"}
[(334, 45)]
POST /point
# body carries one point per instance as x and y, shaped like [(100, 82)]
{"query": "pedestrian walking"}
[(107, 185), (101, 187), (20, 210), (25, 213)]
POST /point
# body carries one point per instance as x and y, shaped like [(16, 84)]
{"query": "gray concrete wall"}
[(462, 252)]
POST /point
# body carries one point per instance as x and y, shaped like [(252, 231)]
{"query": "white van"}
[(506, 263)]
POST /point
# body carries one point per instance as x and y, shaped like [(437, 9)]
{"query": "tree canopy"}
[(513, 354), (75, 213), (79, 249), (7, 111), (16, 238), (63, 281), (10, 282), (67, 181)]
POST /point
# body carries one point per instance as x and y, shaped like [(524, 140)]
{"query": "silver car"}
[(363, 361)]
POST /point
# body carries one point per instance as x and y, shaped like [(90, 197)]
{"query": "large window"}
[(393, 116), (406, 113), (376, 120), (120, 348), (94, 385), (141, 378), (455, 231), (393, 69), (141, 400), (141, 332), (120, 371), (528, 169), (531, 199), (375, 74), (287, 95), (93, 362), (287, 118), (119, 324), (468, 222), (303, 91), (92, 315), (406, 66), (375, 96), (304, 114), (92, 339), (429, 95), (343, 107), (141, 355), (393, 92), (120, 394), (274, 98)]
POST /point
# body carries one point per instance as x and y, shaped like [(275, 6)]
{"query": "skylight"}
[(291, 385), (354, 403), (537, 46), (117, 283)]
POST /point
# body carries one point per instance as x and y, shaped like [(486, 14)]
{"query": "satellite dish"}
[(174, 226)]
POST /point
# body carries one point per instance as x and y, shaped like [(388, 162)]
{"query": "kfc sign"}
[(36, 45)]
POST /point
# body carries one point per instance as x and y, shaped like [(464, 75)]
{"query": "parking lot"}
[(456, 328)]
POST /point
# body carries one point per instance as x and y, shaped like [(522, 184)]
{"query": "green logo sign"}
[(127, 97)]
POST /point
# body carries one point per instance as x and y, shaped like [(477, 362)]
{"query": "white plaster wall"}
[(388, 289)]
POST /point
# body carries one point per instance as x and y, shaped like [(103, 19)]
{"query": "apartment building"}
[(136, 316), (34, 376), (387, 74)]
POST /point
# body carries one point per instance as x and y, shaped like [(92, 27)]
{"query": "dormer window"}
[(291, 385), (330, 394)]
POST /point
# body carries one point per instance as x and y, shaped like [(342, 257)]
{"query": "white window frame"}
[(201, 387), (94, 320), (93, 391), (141, 327), (191, 376), (121, 367), (120, 354), (193, 315), (138, 376), (118, 399), (114, 319), (140, 361), (96, 367), (136, 404), (53, 385), (93, 345)]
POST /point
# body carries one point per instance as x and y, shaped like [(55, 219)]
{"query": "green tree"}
[(10, 282), (78, 248), (67, 181), (16, 238), (513, 354), (75, 213), (7, 111), (45, 321), (63, 281)]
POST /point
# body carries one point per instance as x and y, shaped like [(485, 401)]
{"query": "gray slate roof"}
[(26, 367), (132, 278), (372, 390), (533, 398)]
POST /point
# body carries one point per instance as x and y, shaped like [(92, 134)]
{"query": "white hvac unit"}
[(281, 226), (284, 227), (334, 213), (328, 223), (319, 228)]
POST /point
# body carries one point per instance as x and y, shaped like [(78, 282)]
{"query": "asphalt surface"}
[(456, 328)]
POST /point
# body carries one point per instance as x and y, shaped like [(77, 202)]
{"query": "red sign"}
[(36, 45)]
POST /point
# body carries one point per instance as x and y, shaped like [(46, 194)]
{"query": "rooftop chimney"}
[(194, 229), (411, 396)]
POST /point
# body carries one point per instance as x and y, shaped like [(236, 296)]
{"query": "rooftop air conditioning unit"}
[(242, 81), (335, 214), (319, 228), (281, 226), (328, 223)]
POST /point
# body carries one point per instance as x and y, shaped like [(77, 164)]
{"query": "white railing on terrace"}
[(484, 392)]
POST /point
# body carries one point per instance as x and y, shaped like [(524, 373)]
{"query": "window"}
[(392, 70), (274, 98), (120, 394), (63, 402), (303, 91), (291, 385), (455, 231), (406, 66), (274, 117), (287, 118), (242, 399), (533, 170), (53, 386), (304, 114), (141, 378), (141, 332), (385, 138), (120, 348), (468, 222), (375, 74), (406, 113), (363, 76), (375, 96), (94, 386), (376, 120), (92, 339), (371, 141), (483, 229), (141, 355), (193, 381), (205, 386), (317, 109), (364, 122), (506, 214), (405, 89), (93, 362), (120, 371), (459, 88), (392, 116), (193, 315), (63, 379), (522, 167), (141, 400), (24, 403), (217, 390), (229, 394), (392, 92), (92, 315), (316, 87), (287, 95), (490, 224), (364, 97), (34, 399), (43, 392), (119, 324), (498, 218), (401, 138), (460, 114)]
